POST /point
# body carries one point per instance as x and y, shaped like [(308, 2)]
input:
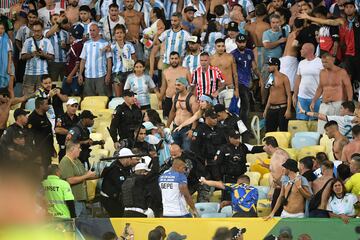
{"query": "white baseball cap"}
[(125, 152), (149, 126), (72, 101), (142, 166)]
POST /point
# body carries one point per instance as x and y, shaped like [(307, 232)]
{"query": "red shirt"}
[(206, 82), (73, 56), (348, 39)]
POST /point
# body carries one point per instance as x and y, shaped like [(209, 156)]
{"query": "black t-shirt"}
[(309, 175), (307, 35)]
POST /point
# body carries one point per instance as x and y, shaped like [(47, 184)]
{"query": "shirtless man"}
[(332, 130), (133, 21), (72, 11), (256, 30), (334, 87), (327, 170), (278, 158), (182, 109), (289, 61), (169, 77), (226, 63), (294, 192), (278, 107), (5, 105), (352, 147)]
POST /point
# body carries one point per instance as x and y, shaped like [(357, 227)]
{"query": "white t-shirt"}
[(230, 45), (44, 14), (310, 77), (174, 203), (105, 29), (344, 205)]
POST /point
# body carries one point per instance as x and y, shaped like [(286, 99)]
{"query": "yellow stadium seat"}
[(216, 196), (256, 167), (295, 126), (265, 180), (96, 137), (109, 145), (292, 152), (263, 207), (154, 101), (94, 103), (310, 151), (328, 144), (283, 138), (11, 118), (160, 112), (103, 116), (312, 125), (99, 153), (251, 158), (102, 128), (254, 178), (16, 106)]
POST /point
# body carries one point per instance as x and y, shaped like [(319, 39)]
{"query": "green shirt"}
[(57, 191), (74, 168)]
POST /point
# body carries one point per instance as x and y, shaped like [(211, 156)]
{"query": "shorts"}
[(285, 214), (167, 105), (305, 104), (31, 83), (225, 96), (119, 77)]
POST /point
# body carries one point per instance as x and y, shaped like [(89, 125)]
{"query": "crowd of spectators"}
[(209, 63)]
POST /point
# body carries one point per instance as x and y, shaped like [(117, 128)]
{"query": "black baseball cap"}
[(233, 26), (349, 2), (234, 134), (77, 31), (241, 38), (87, 114), (128, 93), (274, 61), (210, 113), (19, 112), (219, 108), (189, 8), (291, 165)]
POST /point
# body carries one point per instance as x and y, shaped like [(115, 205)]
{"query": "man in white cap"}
[(135, 194), (64, 123), (113, 178)]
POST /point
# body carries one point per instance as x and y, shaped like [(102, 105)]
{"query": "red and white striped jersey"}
[(206, 81)]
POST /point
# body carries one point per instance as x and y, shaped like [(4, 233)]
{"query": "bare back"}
[(4, 109), (72, 14), (332, 82), (256, 30), (224, 63), (349, 150), (171, 74), (278, 93), (182, 114), (276, 162), (289, 49), (319, 183)]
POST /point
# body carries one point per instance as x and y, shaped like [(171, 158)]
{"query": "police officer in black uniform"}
[(232, 158), (207, 138), (80, 133), (16, 143), (64, 123), (127, 117), (42, 132), (113, 178)]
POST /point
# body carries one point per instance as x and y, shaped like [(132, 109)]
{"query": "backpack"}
[(187, 101), (315, 201)]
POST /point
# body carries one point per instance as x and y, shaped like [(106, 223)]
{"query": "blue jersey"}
[(121, 54), (243, 197), (141, 86), (170, 8), (95, 58), (191, 62), (56, 39), (174, 41), (36, 65), (243, 65)]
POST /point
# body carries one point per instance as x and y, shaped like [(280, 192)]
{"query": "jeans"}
[(72, 89), (305, 104), (80, 209), (244, 94), (181, 139)]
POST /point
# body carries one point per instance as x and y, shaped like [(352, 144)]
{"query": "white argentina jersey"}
[(145, 8), (36, 65), (174, 41), (174, 203), (119, 54), (170, 8), (191, 62), (56, 39), (345, 124), (95, 58)]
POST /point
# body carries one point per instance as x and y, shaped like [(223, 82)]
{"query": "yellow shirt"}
[(353, 184)]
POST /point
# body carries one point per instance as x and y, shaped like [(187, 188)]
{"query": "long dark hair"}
[(159, 13), (210, 28), (154, 116), (332, 193)]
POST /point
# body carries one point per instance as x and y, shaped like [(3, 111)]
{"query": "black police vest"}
[(235, 163)]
